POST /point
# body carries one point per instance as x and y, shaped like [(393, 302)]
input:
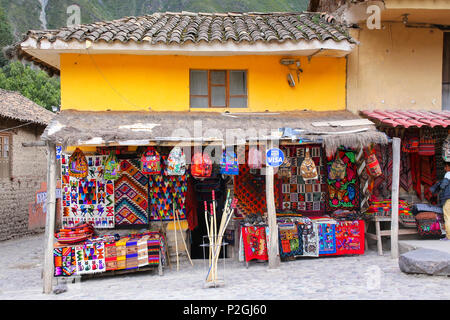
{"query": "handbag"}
[(150, 162), (372, 164), (78, 166), (308, 168), (337, 169), (112, 167)]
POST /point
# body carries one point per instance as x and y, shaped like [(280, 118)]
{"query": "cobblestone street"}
[(352, 277)]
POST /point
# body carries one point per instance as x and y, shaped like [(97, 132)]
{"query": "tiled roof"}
[(178, 28), (15, 106), (407, 119)]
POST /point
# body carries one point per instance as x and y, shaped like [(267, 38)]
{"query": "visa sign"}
[(274, 157)]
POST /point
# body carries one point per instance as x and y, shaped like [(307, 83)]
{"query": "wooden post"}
[(394, 197), (272, 248), (50, 218)]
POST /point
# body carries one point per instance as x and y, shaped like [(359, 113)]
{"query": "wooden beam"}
[(50, 218), (394, 197), (272, 248)]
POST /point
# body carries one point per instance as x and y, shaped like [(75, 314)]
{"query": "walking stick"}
[(207, 230), (182, 237), (175, 232)]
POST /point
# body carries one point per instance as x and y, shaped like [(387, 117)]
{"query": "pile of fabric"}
[(383, 208), (75, 234)]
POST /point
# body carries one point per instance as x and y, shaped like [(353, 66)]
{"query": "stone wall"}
[(28, 171)]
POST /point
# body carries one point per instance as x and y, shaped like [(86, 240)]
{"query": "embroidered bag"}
[(78, 166), (373, 166), (254, 158), (112, 167), (285, 169), (446, 149), (410, 144), (229, 164), (201, 165), (308, 168), (176, 162), (337, 169), (428, 225), (151, 162), (426, 146)]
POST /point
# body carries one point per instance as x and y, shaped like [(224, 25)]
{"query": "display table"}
[(383, 233)]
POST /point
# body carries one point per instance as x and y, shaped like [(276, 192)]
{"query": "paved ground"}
[(352, 277)]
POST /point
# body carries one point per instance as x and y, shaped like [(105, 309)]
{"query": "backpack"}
[(151, 162), (112, 167), (254, 158), (308, 168), (201, 165), (176, 162), (229, 164), (373, 166), (78, 166)]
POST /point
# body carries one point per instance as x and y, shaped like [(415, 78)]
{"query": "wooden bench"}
[(383, 233)]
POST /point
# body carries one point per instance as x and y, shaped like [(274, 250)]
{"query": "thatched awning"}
[(332, 129)]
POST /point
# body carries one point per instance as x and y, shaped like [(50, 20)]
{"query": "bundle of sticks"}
[(216, 236)]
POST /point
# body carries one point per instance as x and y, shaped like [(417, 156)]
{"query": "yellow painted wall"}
[(131, 82), (395, 68)]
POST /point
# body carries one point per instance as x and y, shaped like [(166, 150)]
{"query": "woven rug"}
[(87, 200), (248, 189), (310, 237), (343, 193), (295, 194), (90, 258), (255, 245), (131, 192), (163, 192), (64, 262), (349, 237), (290, 240), (327, 238)]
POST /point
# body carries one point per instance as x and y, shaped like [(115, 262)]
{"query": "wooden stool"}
[(383, 233)]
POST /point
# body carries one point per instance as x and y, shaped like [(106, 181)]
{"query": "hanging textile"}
[(415, 173), (290, 240), (191, 205), (327, 238), (310, 237), (131, 194), (428, 176), (64, 261), (295, 194), (349, 237), (406, 181), (255, 245), (343, 193), (87, 200), (249, 190), (90, 258)]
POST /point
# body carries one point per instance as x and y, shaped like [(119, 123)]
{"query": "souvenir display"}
[(176, 162), (150, 162), (255, 245), (248, 189), (295, 194), (308, 167), (112, 167), (327, 238), (290, 240), (64, 261), (87, 200), (77, 164)]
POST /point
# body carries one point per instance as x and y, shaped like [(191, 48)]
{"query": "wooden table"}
[(383, 233)]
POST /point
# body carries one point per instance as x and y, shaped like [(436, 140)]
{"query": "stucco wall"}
[(395, 68), (130, 82), (28, 172)]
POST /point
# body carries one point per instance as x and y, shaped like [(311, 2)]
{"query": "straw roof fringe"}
[(70, 127)]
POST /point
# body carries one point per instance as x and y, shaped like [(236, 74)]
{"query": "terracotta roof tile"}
[(184, 27), (407, 118)]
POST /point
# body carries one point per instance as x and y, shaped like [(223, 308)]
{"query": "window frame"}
[(228, 95), (5, 160)]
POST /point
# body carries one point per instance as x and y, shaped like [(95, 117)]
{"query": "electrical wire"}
[(22, 125)]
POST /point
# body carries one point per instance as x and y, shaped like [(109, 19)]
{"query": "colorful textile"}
[(255, 245), (90, 258), (310, 238), (405, 172), (327, 238), (248, 189), (296, 194), (64, 262), (163, 192), (349, 237), (290, 240), (343, 193), (87, 200), (131, 193), (415, 173), (110, 256), (142, 251), (383, 184)]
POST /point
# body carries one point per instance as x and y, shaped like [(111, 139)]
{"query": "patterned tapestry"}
[(255, 243), (90, 258), (327, 238), (87, 200), (131, 194), (164, 191), (310, 238), (65, 261), (350, 237), (290, 240), (296, 194), (248, 189), (343, 193)]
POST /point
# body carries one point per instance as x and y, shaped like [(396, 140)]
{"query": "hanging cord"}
[(22, 125)]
